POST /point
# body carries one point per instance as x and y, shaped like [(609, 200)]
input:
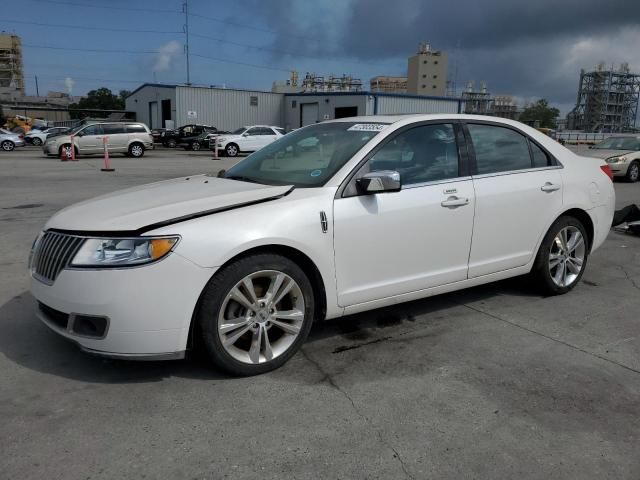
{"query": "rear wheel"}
[(7, 145), (633, 172), (171, 143), (232, 150), (255, 314), (562, 257), (136, 150)]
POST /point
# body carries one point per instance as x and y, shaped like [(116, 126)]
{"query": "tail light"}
[(607, 170), (21, 137)]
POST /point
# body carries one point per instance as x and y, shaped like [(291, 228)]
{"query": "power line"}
[(110, 7), (266, 67), (54, 25)]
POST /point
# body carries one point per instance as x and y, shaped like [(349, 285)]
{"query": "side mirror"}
[(79, 134), (382, 181), (245, 134)]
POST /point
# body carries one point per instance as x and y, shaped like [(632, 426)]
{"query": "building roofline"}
[(157, 85), (375, 94)]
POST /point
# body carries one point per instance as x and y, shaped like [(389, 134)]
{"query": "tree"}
[(540, 114), (100, 99)]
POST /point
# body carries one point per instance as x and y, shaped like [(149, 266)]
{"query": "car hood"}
[(147, 206), (604, 153)]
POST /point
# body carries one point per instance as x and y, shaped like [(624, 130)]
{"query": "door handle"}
[(453, 202), (550, 187)]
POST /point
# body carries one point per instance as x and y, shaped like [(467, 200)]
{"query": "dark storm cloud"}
[(527, 48)]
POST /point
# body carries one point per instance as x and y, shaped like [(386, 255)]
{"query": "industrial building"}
[(607, 100), (313, 82), (168, 106), (11, 70), (386, 84), (427, 72), (477, 102)]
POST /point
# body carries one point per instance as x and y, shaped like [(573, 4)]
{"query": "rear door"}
[(267, 135), (518, 189), (116, 137)]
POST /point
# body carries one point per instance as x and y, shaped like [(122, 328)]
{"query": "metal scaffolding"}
[(607, 100), (11, 70)]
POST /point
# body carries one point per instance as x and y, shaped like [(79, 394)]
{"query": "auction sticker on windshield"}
[(367, 127)]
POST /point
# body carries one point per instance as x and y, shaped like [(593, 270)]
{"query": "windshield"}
[(6, 132), (307, 157), (239, 131), (619, 143)]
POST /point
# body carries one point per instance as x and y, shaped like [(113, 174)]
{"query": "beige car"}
[(622, 153), (130, 138)]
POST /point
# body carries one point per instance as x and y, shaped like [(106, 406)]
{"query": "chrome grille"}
[(54, 252)]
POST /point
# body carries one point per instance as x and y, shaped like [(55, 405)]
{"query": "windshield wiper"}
[(241, 178)]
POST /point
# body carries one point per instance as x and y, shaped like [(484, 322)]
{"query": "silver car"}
[(622, 153), (130, 138), (10, 140)]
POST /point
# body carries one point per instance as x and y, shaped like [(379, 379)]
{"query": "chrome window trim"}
[(437, 182), (515, 172)]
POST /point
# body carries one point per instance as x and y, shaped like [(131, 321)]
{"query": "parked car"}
[(157, 134), (130, 138), (9, 140), (375, 211), (248, 139), (38, 137), (622, 153), (185, 135)]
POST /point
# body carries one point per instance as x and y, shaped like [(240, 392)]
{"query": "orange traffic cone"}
[(63, 154)]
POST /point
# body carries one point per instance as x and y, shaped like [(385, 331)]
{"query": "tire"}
[(245, 351), (68, 147), (171, 143), (633, 172), (136, 150), (7, 146), (232, 150), (36, 141), (195, 146), (557, 270)]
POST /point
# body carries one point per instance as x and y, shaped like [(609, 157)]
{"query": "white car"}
[(373, 211), (38, 137), (622, 153), (10, 140), (248, 139)]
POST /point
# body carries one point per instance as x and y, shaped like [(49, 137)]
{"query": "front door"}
[(393, 243), (518, 195), (90, 139)]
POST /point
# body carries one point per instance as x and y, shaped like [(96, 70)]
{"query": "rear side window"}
[(113, 129), (499, 149), (540, 158), (136, 129)]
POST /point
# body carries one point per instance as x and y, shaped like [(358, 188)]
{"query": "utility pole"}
[(185, 7), (37, 91)]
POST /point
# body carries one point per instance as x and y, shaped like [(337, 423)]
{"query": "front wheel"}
[(232, 150), (633, 173), (7, 146), (171, 143), (562, 257), (255, 314), (195, 146), (36, 141)]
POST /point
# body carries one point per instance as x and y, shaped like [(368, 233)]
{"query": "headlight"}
[(617, 159), (122, 252), (34, 247)]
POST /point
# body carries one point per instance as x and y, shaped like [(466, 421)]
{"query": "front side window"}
[(307, 157), (92, 130), (499, 149), (281, 131), (427, 153), (239, 131)]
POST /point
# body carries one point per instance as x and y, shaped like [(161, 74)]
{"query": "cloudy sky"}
[(528, 49)]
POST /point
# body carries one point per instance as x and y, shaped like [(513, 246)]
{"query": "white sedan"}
[(248, 139), (332, 219)]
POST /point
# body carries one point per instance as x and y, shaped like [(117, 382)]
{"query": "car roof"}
[(419, 117)]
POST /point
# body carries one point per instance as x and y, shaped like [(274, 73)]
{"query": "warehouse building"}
[(169, 106)]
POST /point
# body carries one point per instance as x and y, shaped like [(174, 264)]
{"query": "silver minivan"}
[(130, 138)]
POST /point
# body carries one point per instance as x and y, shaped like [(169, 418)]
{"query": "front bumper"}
[(148, 308), (50, 149)]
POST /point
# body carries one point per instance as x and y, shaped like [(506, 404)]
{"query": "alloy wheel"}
[(261, 317), (136, 150), (566, 257), (37, 142), (7, 146), (232, 151), (195, 146), (634, 172)]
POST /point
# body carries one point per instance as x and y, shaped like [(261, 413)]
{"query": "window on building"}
[(435, 76), (294, 104), (435, 86), (424, 75), (253, 100), (424, 86), (436, 62), (499, 149), (425, 62)]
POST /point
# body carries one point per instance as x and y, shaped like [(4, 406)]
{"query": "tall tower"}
[(11, 72), (427, 72)]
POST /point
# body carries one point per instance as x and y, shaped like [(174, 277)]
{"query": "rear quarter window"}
[(136, 129)]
